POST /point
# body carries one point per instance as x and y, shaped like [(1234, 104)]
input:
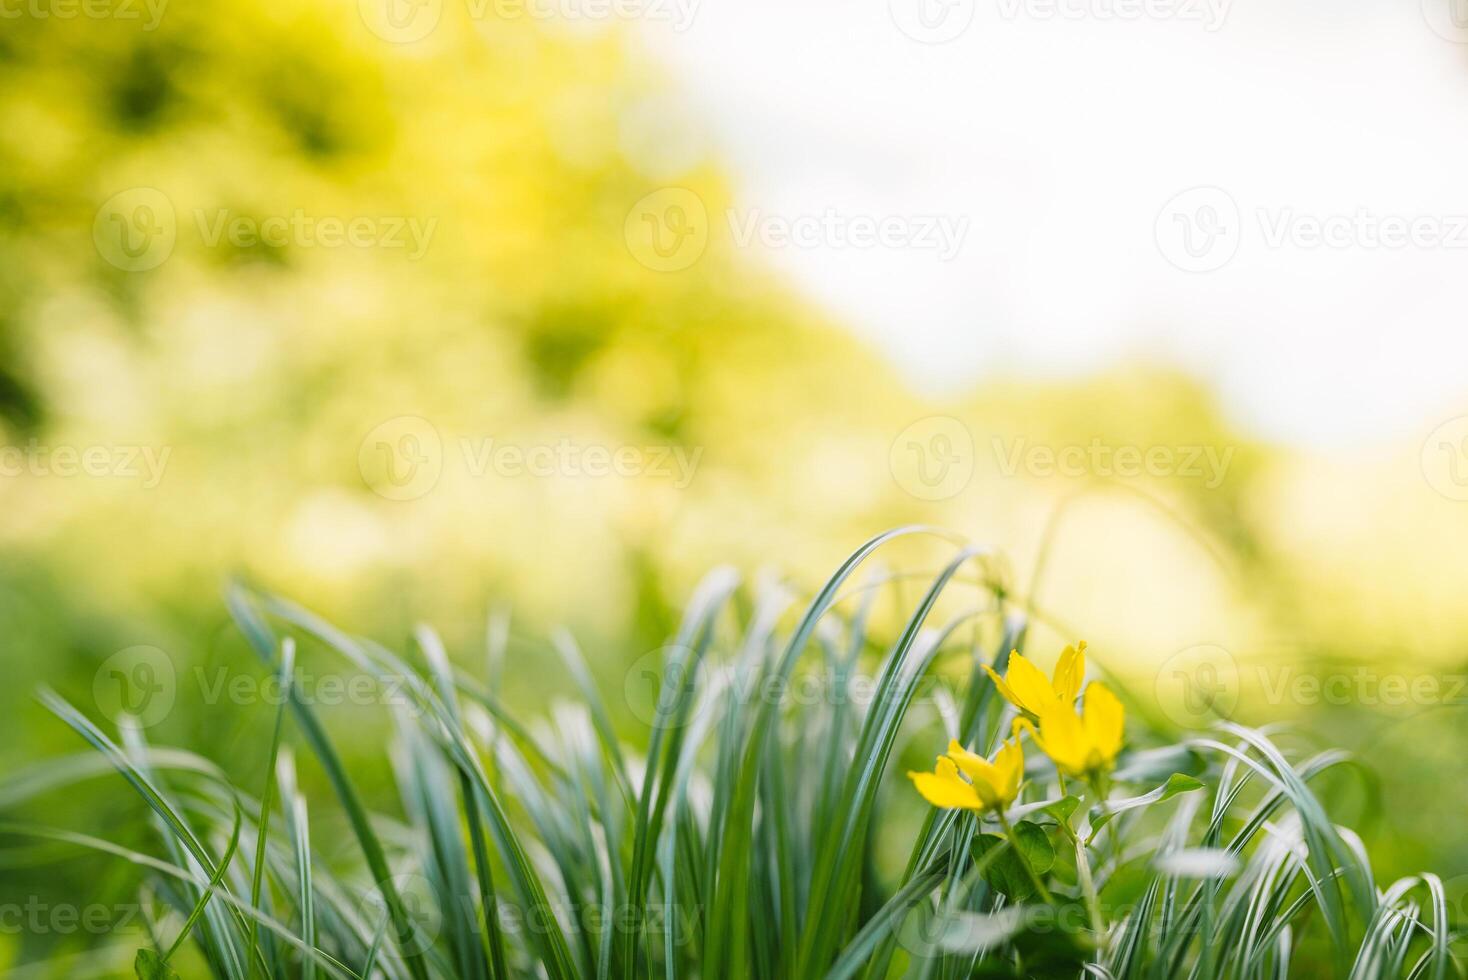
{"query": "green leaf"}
[(1064, 868), (1176, 784), (1005, 873), (1180, 783), (1062, 808), (1035, 844), (150, 966)]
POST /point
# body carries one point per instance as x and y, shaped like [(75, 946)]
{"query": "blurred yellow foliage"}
[(295, 261)]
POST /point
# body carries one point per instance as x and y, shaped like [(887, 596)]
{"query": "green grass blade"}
[(287, 669)]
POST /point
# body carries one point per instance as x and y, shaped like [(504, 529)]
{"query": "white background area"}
[(1061, 132)]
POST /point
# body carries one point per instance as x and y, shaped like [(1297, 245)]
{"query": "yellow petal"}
[(1024, 725), (1004, 689), (975, 767), (1070, 670), (944, 788), (1010, 764), (987, 793), (1066, 741), (1105, 720), (1032, 689), (992, 782)]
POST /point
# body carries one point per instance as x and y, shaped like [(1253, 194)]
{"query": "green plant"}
[(743, 838)]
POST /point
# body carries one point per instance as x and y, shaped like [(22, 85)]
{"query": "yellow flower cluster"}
[(990, 785), (1083, 745)]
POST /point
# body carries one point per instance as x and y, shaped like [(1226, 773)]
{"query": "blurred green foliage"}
[(262, 371)]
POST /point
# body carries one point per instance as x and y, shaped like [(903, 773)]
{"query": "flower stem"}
[(1102, 792), (1088, 888), (1083, 872), (1100, 789)]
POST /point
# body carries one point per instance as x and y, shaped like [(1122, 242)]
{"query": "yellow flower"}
[(1026, 688), (990, 785), (1081, 745)]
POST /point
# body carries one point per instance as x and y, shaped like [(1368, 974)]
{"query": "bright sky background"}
[(1062, 140)]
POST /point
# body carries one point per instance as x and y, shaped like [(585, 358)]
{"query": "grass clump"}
[(747, 834)]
